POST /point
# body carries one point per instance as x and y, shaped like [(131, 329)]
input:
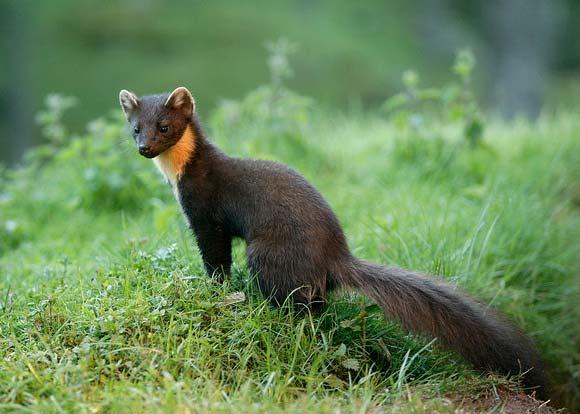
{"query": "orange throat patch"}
[(172, 162)]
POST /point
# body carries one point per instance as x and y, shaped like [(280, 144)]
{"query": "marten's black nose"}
[(144, 149)]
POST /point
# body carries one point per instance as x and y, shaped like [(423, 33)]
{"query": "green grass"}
[(104, 305)]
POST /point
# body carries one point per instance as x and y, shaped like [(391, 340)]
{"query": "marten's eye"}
[(163, 129), (136, 130)]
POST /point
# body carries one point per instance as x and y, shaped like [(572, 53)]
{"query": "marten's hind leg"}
[(284, 276)]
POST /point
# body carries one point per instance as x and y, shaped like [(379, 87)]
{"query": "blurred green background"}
[(438, 178), (348, 54)]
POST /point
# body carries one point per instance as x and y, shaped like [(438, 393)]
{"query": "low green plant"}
[(421, 109), (95, 170), (272, 119)]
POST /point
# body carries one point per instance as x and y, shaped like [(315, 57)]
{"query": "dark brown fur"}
[(296, 248)]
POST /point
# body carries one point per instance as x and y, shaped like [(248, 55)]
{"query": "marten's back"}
[(268, 199)]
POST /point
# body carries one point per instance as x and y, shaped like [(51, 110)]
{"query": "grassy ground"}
[(104, 306)]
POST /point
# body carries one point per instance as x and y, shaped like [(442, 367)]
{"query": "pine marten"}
[(295, 245)]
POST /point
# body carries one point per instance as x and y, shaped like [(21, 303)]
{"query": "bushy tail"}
[(424, 305)]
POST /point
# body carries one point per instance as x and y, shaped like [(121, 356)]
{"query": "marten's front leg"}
[(215, 244)]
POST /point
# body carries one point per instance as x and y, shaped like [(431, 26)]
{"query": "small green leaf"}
[(410, 79), (351, 364), (233, 298), (341, 351), (456, 112), (429, 94), (474, 131), (395, 102)]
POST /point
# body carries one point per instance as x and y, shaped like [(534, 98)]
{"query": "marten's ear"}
[(129, 102), (181, 99)]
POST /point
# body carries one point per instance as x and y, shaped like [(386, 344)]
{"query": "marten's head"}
[(158, 122)]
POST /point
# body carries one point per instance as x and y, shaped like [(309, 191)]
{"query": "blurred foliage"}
[(96, 161), (50, 119), (92, 50), (422, 108), (272, 118), (351, 54)]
